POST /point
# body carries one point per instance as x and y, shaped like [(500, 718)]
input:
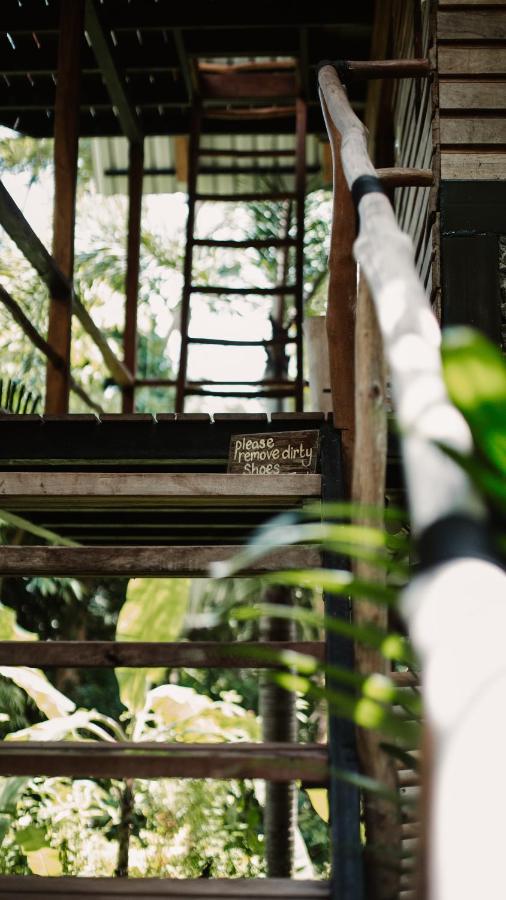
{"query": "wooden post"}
[(341, 302), (66, 140), (383, 827), (300, 189), (279, 723), (135, 175)]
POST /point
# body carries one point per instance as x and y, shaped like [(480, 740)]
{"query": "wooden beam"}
[(300, 189), (103, 49), (135, 177), (66, 139), (247, 86), (30, 887), (135, 561), (21, 232), (190, 654), (274, 762)]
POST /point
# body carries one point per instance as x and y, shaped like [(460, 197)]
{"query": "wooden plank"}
[(244, 245), (475, 130), (192, 655), (472, 60), (470, 25), (248, 85), (279, 762), (27, 887), (479, 95), (161, 485), (473, 166), (105, 53), (135, 561), (66, 139), (135, 169), (470, 3)]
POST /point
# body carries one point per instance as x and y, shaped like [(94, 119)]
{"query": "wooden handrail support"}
[(381, 68), (41, 344), (32, 248), (455, 608)]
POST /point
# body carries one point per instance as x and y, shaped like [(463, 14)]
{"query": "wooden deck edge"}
[(23, 887)]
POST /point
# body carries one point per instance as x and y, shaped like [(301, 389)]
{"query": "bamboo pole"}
[(455, 609)]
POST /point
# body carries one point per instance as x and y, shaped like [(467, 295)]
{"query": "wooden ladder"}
[(230, 87)]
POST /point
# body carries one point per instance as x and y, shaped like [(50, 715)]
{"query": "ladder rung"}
[(36, 887), (274, 393), (278, 762), (223, 151), (244, 291), (152, 561), (258, 244), (188, 654), (233, 343), (274, 196), (255, 170)]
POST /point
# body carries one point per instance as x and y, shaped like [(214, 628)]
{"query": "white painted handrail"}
[(456, 611)]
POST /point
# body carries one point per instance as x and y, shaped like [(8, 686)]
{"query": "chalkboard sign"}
[(274, 454)]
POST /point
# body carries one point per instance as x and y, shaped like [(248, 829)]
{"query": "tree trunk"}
[(279, 723), (125, 827)]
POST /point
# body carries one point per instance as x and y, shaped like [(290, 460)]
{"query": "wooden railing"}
[(394, 318), (17, 227)]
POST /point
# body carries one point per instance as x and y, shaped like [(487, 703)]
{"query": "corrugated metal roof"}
[(111, 154)]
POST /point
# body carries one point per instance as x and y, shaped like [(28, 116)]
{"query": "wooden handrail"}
[(455, 608), (32, 248), (41, 344)]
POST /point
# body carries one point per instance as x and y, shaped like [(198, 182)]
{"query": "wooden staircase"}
[(127, 470)]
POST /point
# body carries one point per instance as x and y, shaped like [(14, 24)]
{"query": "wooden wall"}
[(414, 110), (471, 58)]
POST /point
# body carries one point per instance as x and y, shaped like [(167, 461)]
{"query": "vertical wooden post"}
[(135, 176), (341, 302), (383, 829), (193, 161), (300, 190), (344, 798), (279, 723), (66, 139)]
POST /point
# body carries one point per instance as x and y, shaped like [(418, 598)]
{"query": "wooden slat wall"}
[(471, 38), (413, 119)]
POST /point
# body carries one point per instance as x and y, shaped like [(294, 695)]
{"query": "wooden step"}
[(273, 196), (190, 654), (21, 489), (27, 887), (277, 762), (135, 561), (250, 242)]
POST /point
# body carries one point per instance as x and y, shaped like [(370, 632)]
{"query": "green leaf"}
[(31, 838), (50, 701), (155, 610), (45, 861), (10, 791), (9, 628), (319, 798), (475, 375)]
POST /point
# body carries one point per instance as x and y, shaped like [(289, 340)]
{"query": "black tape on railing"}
[(365, 184), (340, 65), (454, 537)]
